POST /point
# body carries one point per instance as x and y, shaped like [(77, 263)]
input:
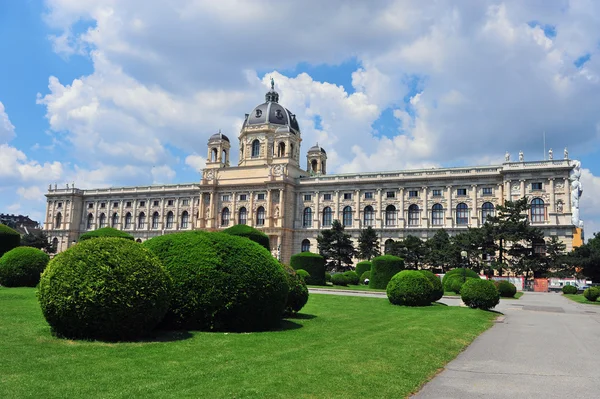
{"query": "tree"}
[(477, 242), (585, 260), (368, 244), (440, 251), (412, 249), (555, 255), (336, 247), (38, 239)]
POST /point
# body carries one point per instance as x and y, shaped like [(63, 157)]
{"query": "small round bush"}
[(591, 294), (506, 289), (303, 274), (410, 288), (298, 293), (9, 239), (453, 284), (438, 291), (314, 264), (383, 268), (569, 289), (459, 271), (221, 282), (328, 277), (243, 230), (352, 277), (339, 279), (364, 266), (478, 293), (105, 232), (22, 267), (365, 276), (106, 288)]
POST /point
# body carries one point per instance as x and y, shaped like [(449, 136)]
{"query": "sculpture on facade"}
[(521, 156), (507, 156), (559, 206), (550, 154), (576, 191), (566, 152)]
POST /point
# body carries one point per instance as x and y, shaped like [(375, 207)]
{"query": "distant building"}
[(22, 224)]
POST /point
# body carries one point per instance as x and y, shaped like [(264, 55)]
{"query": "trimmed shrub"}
[(243, 230), (569, 289), (339, 279), (9, 239), (362, 267), (303, 274), (459, 271), (591, 294), (410, 288), (107, 288), (478, 293), (352, 277), (105, 232), (383, 268), (365, 276), (454, 283), (298, 293), (438, 291), (328, 277), (22, 267), (506, 288), (221, 282), (314, 264)]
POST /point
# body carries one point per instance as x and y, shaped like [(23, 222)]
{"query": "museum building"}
[(270, 191)]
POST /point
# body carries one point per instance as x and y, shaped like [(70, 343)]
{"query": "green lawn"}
[(518, 295), (361, 287), (339, 347), (580, 298)]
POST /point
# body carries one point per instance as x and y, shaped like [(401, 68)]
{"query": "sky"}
[(126, 92)]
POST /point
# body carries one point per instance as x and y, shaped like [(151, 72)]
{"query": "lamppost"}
[(463, 255)]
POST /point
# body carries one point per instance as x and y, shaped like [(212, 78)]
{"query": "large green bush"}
[(506, 289), (328, 277), (303, 274), (298, 292), (106, 288), (22, 267), (221, 282), (352, 277), (9, 239), (438, 291), (569, 289), (253, 234), (364, 266), (383, 268), (339, 279), (479, 293), (591, 294), (314, 264), (459, 271), (105, 232), (410, 288), (365, 276)]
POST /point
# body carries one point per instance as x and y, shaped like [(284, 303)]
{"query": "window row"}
[(243, 216), (243, 197), (142, 203), (255, 149), (460, 192), (141, 220)]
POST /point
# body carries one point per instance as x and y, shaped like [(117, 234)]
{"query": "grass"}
[(338, 347), (518, 295), (361, 287), (580, 298)]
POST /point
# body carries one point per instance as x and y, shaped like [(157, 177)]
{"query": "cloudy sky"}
[(127, 92)]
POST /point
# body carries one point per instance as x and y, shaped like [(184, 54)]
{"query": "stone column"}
[(357, 214), (449, 212), (250, 213), (212, 207), (475, 215), (269, 213), (336, 213), (425, 214), (552, 196), (507, 190), (522, 187), (402, 219), (316, 222), (500, 195), (233, 215), (281, 208), (567, 208)]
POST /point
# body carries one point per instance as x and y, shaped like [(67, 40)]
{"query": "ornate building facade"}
[(270, 191)]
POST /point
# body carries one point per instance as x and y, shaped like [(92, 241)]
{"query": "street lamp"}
[(463, 255)]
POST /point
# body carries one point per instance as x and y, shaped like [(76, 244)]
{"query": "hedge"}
[(328, 277), (591, 294), (22, 267), (298, 292), (459, 271), (438, 291), (410, 288), (383, 268), (364, 266), (313, 263), (353, 278), (479, 293), (506, 288), (107, 288), (9, 239), (221, 282), (569, 289), (365, 276), (253, 234), (105, 232), (303, 274), (339, 279)]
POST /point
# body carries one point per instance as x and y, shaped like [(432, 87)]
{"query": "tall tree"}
[(335, 245), (368, 244), (441, 252), (412, 249), (38, 239), (585, 260)]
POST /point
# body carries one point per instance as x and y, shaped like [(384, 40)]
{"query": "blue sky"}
[(111, 92)]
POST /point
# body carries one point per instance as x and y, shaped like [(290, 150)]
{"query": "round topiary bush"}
[(339, 279), (453, 284), (459, 271), (298, 293), (105, 232), (438, 291), (242, 230), (106, 288), (22, 267), (569, 289), (383, 268), (478, 293), (591, 294), (303, 274), (221, 282), (362, 267), (365, 276), (410, 288), (506, 289), (9, 239), (352, 277), (314, 264), (328, 277)]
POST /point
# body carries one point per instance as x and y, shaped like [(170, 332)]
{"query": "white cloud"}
[(31, 193), (196, 162), (7, 130)]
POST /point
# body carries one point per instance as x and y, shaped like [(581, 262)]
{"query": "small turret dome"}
[(316, 148), (218, 136)]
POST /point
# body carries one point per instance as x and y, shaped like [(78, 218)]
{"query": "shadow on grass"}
[(301, 316), (166, 336)]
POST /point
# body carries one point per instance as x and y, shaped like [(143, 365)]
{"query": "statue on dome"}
[(272, 84), (521, 157), (507, 156), (566, 153), (550, 154)]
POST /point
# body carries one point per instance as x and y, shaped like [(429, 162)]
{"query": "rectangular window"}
[(154, 203), (437, 193), (90, 205), (369, 195), (327, 197), (487, 191), (390, 194), (536, 186), (307, 197), (128, 204), (260, 197), (115, 204), (185, 202), (413, 193), (225, 198), (243, 197), (59, 205), (103, 205), (347, 196), (461, 192), (142, 203), (170, 202)]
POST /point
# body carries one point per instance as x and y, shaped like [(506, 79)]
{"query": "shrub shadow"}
[(287, 325), (165, 336), (301, 316)]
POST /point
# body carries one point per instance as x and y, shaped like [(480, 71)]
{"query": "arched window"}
[(155, 218), (214, 153), (138, 240), (58, 220), (224, 156), (90, 221), (437, 215), (368, 216), (347, 216), (242, 216), (462, 214), (128, 220), (102, 220), (225, 217), (260, 216), (141, 220), (291, 150), (390, 215), (55, 244), (185, 219), (487, 209), (537, 211), (170, 219), (255, 149), (327, 216), (389, 243), (307, 217), (305, 245), (281, 149), (313, 165), (413, 215), (115, 220)]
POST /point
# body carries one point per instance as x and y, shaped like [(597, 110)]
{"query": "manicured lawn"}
[(580, 298), (361, 287), (339, 347), (451, 293)]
